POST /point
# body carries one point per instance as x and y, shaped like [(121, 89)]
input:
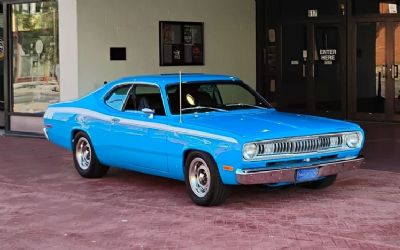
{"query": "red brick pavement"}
[(44, 204)]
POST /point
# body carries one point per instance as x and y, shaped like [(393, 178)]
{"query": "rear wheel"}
[(203, 182), (322, 183), (85, 159)]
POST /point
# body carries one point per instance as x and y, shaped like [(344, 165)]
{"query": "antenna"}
[(180, 96)]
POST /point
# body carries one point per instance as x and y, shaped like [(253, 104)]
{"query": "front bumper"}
[(263, 176)]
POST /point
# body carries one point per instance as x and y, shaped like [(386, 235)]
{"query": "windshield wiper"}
[(244, 104), (202, 107)]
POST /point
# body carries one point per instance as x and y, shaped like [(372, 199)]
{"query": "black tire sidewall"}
[(88, 173), (214, 179)]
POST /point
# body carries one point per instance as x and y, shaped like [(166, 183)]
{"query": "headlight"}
[(249, 151), (354, 140)]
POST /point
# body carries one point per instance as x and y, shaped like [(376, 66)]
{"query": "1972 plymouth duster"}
[(211, 131)]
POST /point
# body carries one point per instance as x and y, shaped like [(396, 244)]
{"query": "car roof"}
[(165, 79)]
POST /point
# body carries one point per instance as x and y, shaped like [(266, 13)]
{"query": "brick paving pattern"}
[(45, 204)]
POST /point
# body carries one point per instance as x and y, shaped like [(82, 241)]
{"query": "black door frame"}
[(389, 114)]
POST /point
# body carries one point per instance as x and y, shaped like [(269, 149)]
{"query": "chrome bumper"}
[(262, 176)]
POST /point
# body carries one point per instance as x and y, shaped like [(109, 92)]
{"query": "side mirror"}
[(149, 112)]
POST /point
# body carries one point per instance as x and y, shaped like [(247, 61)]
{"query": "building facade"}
[(336, 58)]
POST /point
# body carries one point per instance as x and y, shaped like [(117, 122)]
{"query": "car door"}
[(138, 137)]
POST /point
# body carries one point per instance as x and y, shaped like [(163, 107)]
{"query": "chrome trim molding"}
[(302, 146), (264, 176), (45, 133)]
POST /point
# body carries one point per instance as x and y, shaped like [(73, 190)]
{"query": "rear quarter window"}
[(116, 98)]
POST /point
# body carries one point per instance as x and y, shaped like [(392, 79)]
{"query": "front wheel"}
[(322, 183), (85, 159), (203, 182)]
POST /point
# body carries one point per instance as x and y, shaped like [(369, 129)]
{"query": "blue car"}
[(211, 131)]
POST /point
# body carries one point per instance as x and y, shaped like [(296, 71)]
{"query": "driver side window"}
[(146, 97)]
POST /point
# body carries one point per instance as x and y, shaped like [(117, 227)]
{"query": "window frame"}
[(132, 91), (115, 88), (215, 82)]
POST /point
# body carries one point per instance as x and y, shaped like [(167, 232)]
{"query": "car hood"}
[(253, 125)]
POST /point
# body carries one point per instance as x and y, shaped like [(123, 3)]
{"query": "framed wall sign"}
[(181, 43)]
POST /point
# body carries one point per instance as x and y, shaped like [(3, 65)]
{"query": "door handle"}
[(115, 120), (304, 70), (313, 70), (383, 71), (395, 71)]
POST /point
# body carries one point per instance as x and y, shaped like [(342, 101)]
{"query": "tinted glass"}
[(117, 98), (327, 69), (363, 7), (396, 67), (292, 91), (371, 67), (213, 96), (146, 97), (295, 9)]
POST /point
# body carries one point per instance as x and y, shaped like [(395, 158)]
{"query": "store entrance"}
[(377, 77), (305, 56), (313, 68)]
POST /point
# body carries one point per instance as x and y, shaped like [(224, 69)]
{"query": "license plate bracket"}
[(306, 174)]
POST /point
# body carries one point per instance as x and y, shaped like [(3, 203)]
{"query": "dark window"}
[(146, 96), (117, 97), (362, 7)]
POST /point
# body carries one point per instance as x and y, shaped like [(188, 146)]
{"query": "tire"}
[(85, 159), (320, 184), (203, 182)]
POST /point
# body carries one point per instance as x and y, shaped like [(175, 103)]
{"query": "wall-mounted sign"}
[(181, 43), (328, 56), (392, 8), (312, 13)]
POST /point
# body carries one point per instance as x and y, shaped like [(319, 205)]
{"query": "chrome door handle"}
[(395, 71), (115, 120), (304, 70)]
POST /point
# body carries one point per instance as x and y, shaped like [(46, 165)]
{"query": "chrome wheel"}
[(83, 153), (199, 177)]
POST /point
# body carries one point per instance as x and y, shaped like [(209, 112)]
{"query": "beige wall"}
[(229, 37)]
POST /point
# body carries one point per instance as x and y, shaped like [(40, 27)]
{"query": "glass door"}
[(371, 69), (292, 89), (377, 77), (33, 64), (313, 69), (395, 72), (328, 71)]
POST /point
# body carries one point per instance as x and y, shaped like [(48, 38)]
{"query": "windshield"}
[(214, 96)]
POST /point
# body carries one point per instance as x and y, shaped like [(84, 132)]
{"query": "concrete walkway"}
[(45, 204)]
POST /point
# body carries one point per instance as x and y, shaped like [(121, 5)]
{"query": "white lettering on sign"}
[(327, 54)]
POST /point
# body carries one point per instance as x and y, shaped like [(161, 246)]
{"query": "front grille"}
[(300, 145)]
